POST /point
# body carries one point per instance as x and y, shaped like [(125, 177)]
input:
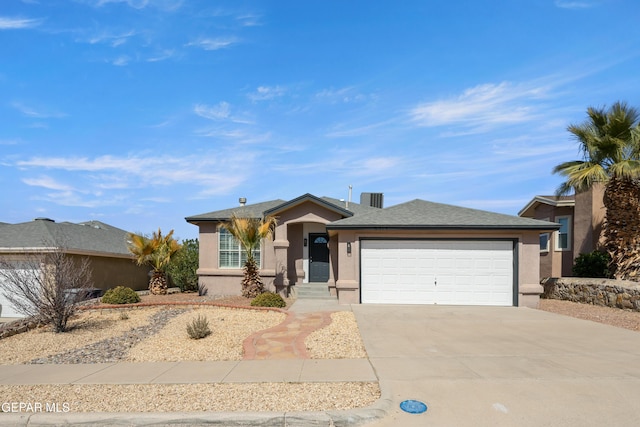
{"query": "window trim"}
[(548, 248), (556, 244), (257, 253)]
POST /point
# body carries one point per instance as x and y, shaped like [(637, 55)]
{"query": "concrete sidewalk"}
[(244, 371)]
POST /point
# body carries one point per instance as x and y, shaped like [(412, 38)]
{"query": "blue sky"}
[(138, 113)]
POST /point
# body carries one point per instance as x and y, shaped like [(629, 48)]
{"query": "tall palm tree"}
[(610, 144), (249, 233), (155, 251)]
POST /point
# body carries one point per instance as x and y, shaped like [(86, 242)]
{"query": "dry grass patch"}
[(339, 340), (87, 327), (229, 328)]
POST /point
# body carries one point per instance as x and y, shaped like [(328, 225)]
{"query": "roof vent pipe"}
[(243, 201)]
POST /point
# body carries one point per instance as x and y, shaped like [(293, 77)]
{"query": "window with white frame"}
[(563, 235), (544, 239), (230, 252), (544, 242)]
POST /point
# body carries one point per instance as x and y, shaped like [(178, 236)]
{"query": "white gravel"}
[(229, 328), (339, 340), (245, 397), (89, 327)]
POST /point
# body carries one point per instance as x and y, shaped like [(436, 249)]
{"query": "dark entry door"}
[(318, 257)]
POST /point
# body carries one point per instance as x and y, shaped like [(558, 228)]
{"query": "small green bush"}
[(198, 328), (268, 299), (120, 295), (183, 266), (593, 265)]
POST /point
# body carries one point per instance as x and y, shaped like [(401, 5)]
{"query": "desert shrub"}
[(120, 295), (268, 299), (183, 266), (594, 264), (198, 328)]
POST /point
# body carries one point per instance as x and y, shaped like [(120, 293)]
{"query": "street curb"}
[(351, 417)]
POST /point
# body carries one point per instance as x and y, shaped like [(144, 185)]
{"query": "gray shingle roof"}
[(86, 237), (322, 201), (428, 215), (255, 210)]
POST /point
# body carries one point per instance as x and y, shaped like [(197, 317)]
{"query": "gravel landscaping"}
[(595, 313), (158, 333)]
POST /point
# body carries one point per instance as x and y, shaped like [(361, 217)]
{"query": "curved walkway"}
[(286, 340)]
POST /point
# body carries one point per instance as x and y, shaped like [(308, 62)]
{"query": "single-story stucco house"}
[(105, 245), (580, 216), (416, 252)]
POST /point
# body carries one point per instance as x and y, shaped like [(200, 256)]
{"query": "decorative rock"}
[(604, 292)]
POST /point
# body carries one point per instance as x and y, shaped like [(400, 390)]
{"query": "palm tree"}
[(155, 251), (610, 144), (249, 233)]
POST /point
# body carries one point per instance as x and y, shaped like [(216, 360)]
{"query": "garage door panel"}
[(437, 272)]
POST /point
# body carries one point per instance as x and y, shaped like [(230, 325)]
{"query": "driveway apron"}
[(501, 366)]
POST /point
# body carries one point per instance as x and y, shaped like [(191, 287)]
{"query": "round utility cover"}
[(413, 406)]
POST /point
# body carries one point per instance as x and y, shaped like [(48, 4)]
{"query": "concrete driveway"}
[(501, 366)]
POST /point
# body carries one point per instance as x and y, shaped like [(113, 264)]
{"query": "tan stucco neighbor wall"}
[(589, 215), (555, 263), (348, 281), (109, 272)]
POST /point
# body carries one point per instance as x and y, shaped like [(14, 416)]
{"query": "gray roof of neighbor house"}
[(91, 237), (421, 214), (258, 210)]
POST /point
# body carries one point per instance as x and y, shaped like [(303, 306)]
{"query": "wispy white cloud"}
[(482, 107), (109, 175), (168, 5), (162, 56), (214, 43), (219, 112), (39, 113), (48, 183), (341, 131), (121, 61), (113, 39), (9, 142), (344, 95), (266, 93), (571, 4), (249, 20), (7, 23)]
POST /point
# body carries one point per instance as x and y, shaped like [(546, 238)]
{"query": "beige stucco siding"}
[(348, 282)]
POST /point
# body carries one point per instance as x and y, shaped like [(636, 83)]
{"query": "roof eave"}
[(537, 200), (445, 227), (306, 198)]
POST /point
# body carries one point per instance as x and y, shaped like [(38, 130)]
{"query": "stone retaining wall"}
[(611, 293)]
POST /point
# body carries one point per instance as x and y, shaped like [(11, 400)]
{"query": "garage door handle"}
[(435, 281)]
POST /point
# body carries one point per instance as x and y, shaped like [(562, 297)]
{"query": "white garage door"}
[(7, 309), (453, 272)]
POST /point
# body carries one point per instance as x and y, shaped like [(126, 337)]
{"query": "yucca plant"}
[(249, 233), (156, 252)]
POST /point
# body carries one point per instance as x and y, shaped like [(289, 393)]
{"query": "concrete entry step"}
[(312, 291)]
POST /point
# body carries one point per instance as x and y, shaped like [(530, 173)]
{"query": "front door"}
[(318, 257)]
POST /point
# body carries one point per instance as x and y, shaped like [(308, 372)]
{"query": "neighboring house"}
[(580, 217), (106, 246), (417, 252)]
